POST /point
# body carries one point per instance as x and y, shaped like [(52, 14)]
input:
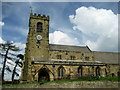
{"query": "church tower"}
[(37, 45)]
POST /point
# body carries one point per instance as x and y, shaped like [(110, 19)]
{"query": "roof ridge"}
[(68, 45), (106, 52), (69, 48)]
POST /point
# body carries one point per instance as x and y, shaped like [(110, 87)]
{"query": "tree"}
[(6, 47), (18, 62)]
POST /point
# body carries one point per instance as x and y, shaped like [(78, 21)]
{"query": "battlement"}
[(39, 16)]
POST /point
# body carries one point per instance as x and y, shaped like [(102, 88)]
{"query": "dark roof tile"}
[(82, 49)]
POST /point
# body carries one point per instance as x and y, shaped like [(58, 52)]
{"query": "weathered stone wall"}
[(35, 51), (71, 71), (42, 51), (106, 57), (65, 55), (114, 69)]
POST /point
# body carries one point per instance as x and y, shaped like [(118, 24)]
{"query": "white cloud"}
[(17, 44), (2, 23), (21, 46), (101, 22), (1, 40), (59, 37)]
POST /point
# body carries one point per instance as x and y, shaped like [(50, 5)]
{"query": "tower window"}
[(86, 58), (72, 57), (59, 57), (66, 53), (39, 27)]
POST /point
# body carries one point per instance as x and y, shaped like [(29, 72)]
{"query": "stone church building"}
[(52, 62)]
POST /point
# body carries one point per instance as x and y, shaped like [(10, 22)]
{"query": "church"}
[(44, 61)]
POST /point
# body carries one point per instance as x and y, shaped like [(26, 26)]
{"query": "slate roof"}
[(106, 57), (81, 49)]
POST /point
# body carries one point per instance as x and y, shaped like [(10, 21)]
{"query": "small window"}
[(39, 27), (80, 70), (118, 73), (59, 57), (82, 54), (72, 57), (86, 58), (66, 53)]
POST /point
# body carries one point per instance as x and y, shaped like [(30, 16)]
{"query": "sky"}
[(94, 24)]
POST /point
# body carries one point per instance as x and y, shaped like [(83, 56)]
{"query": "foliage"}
[(20, 56), (109, 78), (94, 78), (88, 78), (43, 80), (5, 48), (67, 76)]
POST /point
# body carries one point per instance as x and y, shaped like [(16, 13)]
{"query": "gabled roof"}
[(106, 57), (82, 49)]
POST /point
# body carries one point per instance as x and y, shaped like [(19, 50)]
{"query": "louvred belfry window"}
[(39, 27)]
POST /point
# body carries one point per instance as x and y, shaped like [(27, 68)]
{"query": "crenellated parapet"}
[(39, 16)]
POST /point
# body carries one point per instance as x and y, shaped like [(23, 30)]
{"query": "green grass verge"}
[(87, 78)]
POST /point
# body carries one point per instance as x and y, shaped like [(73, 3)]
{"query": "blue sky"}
[(65, 20)]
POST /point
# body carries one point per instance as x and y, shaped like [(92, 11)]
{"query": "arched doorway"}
[(43, 75)]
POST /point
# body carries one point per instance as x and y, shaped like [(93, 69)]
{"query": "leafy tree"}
[(18, 62), (6, 47)]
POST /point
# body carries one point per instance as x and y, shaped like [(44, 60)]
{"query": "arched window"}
[(61, 71), (80, 70), (92, 70), (97, 71), (39, 27), (118, 74)]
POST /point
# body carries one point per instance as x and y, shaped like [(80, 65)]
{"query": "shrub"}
[(88, 78), (67, 76), (43, 80)]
